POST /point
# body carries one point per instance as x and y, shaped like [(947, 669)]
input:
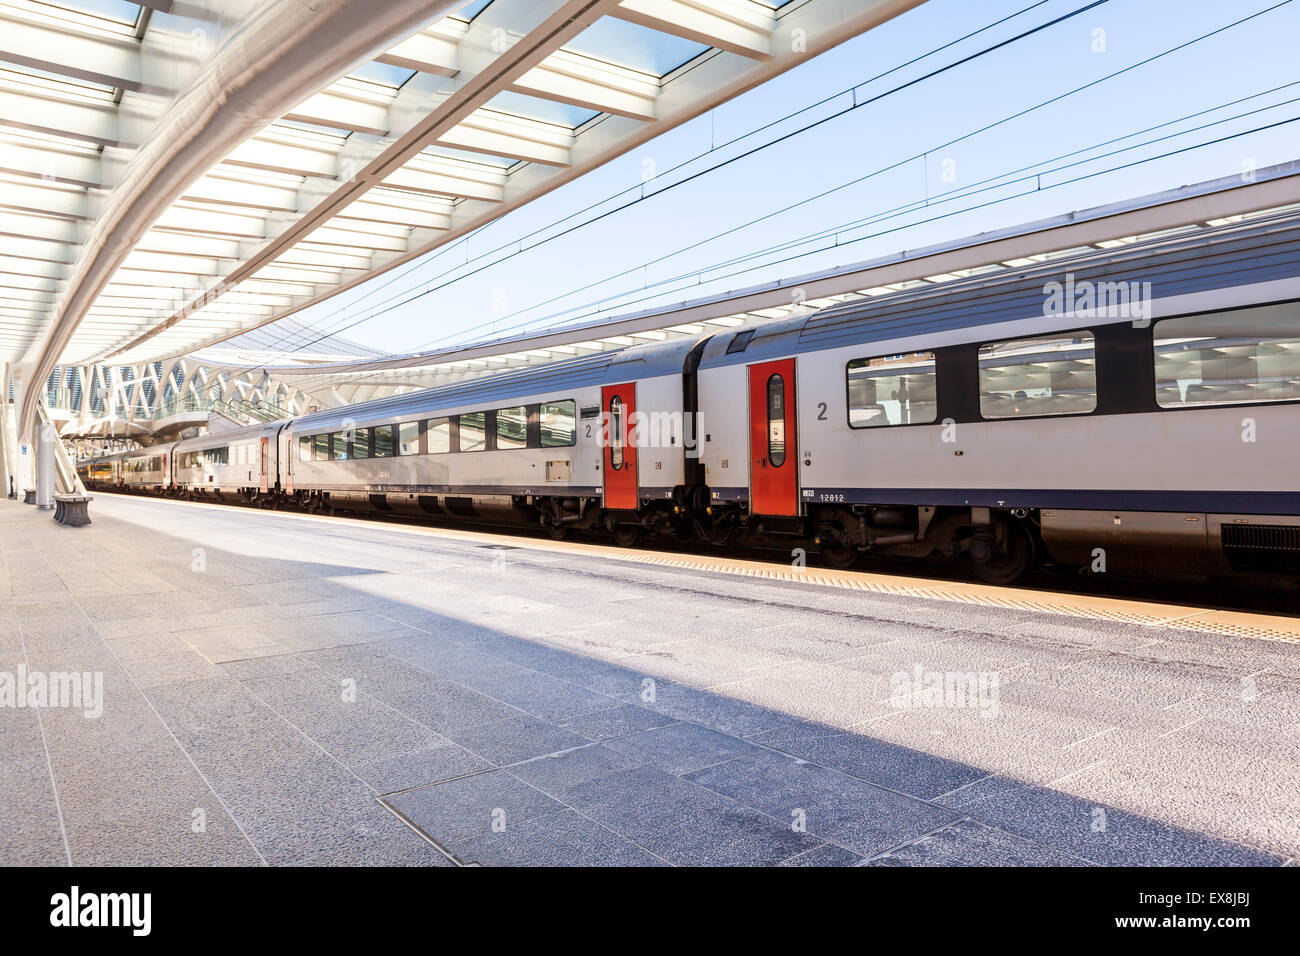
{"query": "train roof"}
[(1181, 263), (217, 439), (619, 365)]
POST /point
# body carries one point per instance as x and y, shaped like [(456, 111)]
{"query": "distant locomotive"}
[(963, 421)]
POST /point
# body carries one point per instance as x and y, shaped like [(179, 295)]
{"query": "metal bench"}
[(71, 510)]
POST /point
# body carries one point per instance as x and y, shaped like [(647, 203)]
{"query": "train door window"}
[(473, 431), (382, 446), (339, 446), (321, 443), (512, 427), (408, 438), (776, 421), (439, 435), (892, 390), (559, 421), (1049, 375), (1229, 358), (616, 433)]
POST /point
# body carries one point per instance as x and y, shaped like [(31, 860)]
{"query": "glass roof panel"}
[(451, 152), (119, 10), (545, 111), (471, 10), (32, 138), (635, 46), (50, 83), (383, 74), (115, 16)]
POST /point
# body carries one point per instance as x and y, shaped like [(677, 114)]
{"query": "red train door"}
[(291, 450), (262, 485), (773, 455), (618, 404)]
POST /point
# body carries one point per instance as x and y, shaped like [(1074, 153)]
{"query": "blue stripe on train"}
[(1211, 502)]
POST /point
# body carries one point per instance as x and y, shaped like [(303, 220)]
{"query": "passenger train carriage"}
[(1154, 430)]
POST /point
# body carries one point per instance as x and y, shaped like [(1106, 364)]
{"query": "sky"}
[(905, 169)]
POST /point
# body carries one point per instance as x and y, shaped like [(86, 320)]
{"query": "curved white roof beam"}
[(454, 157), (282, 48), (141, 226)]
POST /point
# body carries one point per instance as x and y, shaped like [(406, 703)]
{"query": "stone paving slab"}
[(332, 692)]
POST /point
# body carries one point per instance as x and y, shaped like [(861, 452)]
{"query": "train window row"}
[(556, 426), (1245, 356), (135, 466), (207, 458)]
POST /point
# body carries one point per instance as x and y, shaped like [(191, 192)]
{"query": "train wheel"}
[(1007, 567), (627, 535), (557, 531), (840, 558)]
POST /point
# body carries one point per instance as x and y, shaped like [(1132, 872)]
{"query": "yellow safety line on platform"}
[(1243, 624)]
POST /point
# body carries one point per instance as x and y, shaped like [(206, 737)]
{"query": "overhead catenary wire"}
[(898, 164), (643, 196), (311, 383), (1059, 97)]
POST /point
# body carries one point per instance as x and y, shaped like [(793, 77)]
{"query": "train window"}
[(776, 421), (1051, 375), (360, 443), (559, 424), (439, 435), (321, 443), (616, 432), (512, 427), (1229, 358), (473, 431), (408, 438), (892, 390), (339, 446), (740, 341), (218, 456), (382, 442)]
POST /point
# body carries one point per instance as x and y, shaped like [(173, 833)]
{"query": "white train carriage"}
[(146, 469), (528, 445), (969, 420), (241, 464)]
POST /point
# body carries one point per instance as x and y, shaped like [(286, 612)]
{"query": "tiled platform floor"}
[(285, 689)]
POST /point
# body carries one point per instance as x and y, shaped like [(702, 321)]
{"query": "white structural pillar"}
[(45, 467)]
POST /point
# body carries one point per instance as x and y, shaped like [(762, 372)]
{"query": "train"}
[(978, 420)]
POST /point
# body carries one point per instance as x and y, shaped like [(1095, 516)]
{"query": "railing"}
[(247, 412), (262, 411)]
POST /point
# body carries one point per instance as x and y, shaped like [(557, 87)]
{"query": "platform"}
[(290, 689)]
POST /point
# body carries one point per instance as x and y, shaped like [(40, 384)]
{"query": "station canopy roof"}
[(485, 107)]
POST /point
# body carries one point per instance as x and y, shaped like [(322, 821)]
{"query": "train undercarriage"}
[(998, 545)]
